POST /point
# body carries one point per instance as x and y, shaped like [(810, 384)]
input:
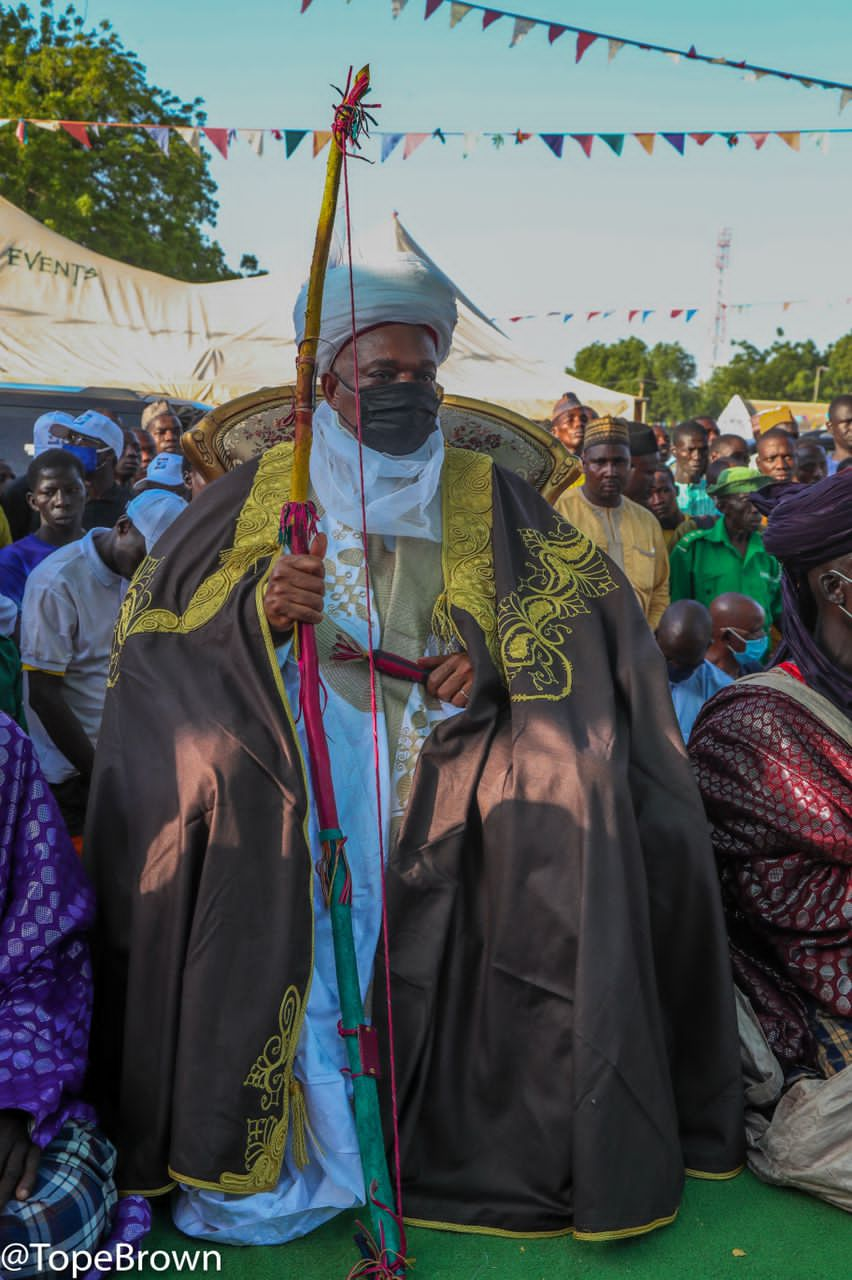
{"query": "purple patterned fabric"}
[(46, 905)]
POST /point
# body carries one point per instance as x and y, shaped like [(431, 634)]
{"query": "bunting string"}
[(642, 314), (522, 24), (405, 144)]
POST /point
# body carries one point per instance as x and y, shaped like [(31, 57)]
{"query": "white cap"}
[(43, 438), (152, 512), (98, 427), (166, 468)]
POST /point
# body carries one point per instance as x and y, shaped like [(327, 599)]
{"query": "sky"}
[(520, 231)]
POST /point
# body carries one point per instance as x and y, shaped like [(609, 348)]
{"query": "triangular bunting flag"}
[(191, 137), (585, 40), (806, 84), (786, 306), (568, 316), (758, 139), (677, 312), (431, 6), (645, 314), (469, 141), (489, 16), (675, 57), (693, 53), (793, 140), (845, 99), (412, 142), (822, 141), (254, 137), (160, 134), (585, 141), (690, 313), (555, 141), (646, 141), (219, 139), (631, 315), (522, 26), (322, 137), (78, 133), (521, 137), (305, 5), (676, 140), (554, 31), (590, 315), (51, 125), (612, 48), (615, 141), (21, 132), (457, 12), (292, 138), (497, 141), (389, 141), (397, 7), (701, 138), (606, 314)]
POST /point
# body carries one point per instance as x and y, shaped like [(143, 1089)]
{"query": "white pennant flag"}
[(675, 57), (613, 47), (469, 141), (191, 137), (457, 12), (52, 126), (254, 137), (397, 7), (522, 26), (822, 141), (845, 99)]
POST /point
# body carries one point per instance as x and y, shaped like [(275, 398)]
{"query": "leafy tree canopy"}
[(123, 198), (667, 370)]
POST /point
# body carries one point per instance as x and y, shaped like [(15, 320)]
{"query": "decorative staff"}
[(383, 1249)]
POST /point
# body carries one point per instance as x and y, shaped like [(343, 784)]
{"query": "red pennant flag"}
[(758, 139), (631, 315), (675, 314), (584, 40), (585, 140), (431, 6), (591, 315), (78, 133), (701, 138), (219, 139), (490, 15), (554, 32), (21, 132), (693, 52), (305, 4), (412, 142)]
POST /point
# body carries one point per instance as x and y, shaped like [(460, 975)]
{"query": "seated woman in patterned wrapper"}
[(562, 1004), (773, 756), (57, 1187)]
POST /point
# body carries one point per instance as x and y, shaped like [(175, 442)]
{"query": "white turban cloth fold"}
[(403, 290)]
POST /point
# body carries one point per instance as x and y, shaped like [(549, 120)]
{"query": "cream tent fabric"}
[(70, 317)]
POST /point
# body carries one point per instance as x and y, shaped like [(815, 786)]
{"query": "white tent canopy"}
[(70, 317)]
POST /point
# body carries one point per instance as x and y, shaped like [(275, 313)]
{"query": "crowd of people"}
[(614, 750)]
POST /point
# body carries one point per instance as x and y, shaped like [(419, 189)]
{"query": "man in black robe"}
[(565, 1039)]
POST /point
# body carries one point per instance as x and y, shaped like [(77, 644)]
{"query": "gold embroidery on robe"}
[(272, 1075), (255, 538), (467, 551), (565, 571)]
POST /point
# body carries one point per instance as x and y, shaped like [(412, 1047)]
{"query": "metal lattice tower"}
[(720, 327)]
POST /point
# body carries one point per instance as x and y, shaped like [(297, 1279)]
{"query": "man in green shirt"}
[(730, 556)]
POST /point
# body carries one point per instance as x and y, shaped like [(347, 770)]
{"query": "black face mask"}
[(398, 418)]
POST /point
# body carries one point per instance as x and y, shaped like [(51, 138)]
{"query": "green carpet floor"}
[(778, 1235)]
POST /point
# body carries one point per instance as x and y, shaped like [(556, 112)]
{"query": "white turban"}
[(404, 290), (152, 512)]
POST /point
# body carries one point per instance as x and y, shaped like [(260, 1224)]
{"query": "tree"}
[(666, 368), (123, 198), (783, 371)]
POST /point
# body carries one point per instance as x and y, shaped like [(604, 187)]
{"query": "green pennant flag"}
[(292, 138), (615, 141)]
